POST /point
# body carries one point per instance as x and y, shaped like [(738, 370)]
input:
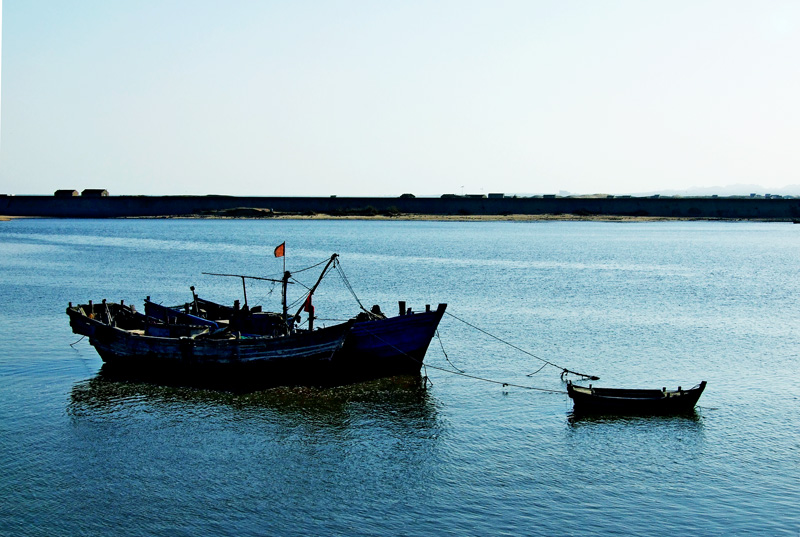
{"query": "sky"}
[(381, 98)]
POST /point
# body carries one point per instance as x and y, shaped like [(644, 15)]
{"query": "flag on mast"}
[(280, 251)]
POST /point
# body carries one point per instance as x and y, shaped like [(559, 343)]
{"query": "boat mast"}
[(244, 291), (322, 275), (286, 276)]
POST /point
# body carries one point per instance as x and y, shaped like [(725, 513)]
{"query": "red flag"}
[(307, 307), (280, 251)]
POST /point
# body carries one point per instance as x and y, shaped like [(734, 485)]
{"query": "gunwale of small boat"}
[(616, 400)]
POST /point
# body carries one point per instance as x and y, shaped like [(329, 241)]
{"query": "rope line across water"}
[(546, 362), (462, 374)]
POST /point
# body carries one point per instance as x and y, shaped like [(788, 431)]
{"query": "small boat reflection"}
[(590, 418)]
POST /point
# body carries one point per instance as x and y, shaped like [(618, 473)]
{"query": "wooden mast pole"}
[(286, 275)]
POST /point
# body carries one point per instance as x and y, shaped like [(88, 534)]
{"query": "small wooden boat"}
[(624, 401)]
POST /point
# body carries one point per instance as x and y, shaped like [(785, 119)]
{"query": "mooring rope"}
[(564, 370), (445, 353), (462, 374), (503, 383)]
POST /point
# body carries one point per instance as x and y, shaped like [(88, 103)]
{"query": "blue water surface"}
[(646, 305)]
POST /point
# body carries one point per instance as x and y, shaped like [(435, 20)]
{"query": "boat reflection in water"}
[(577, 419), (400, 401)]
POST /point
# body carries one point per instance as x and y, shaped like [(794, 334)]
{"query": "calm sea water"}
[(638, 304)]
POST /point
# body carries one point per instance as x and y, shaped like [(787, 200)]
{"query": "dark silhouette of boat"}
[(243, 344), (628, 401)]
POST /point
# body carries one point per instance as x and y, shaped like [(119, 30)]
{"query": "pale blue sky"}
[(380, 98)]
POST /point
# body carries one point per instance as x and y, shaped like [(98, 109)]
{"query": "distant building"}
[(496, 195), (94, 193), (476, 196), (65, 193)]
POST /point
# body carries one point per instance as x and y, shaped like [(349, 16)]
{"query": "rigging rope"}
[(339, 269), (311, 290), (309, 268), (295, 280), (261, 297), (303, 298), (564, 370), (296, 302)]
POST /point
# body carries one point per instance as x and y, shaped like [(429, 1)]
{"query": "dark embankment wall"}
[(128, 206)]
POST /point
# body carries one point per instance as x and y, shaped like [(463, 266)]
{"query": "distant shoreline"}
[(446, 208), (438, 218)]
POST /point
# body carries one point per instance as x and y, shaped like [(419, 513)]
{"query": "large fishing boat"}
[(243, 343)]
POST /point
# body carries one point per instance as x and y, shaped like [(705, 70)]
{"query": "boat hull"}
[(621, 401), (392, 346)]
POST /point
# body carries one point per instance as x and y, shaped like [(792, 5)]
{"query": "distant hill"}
[(730, 190)]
